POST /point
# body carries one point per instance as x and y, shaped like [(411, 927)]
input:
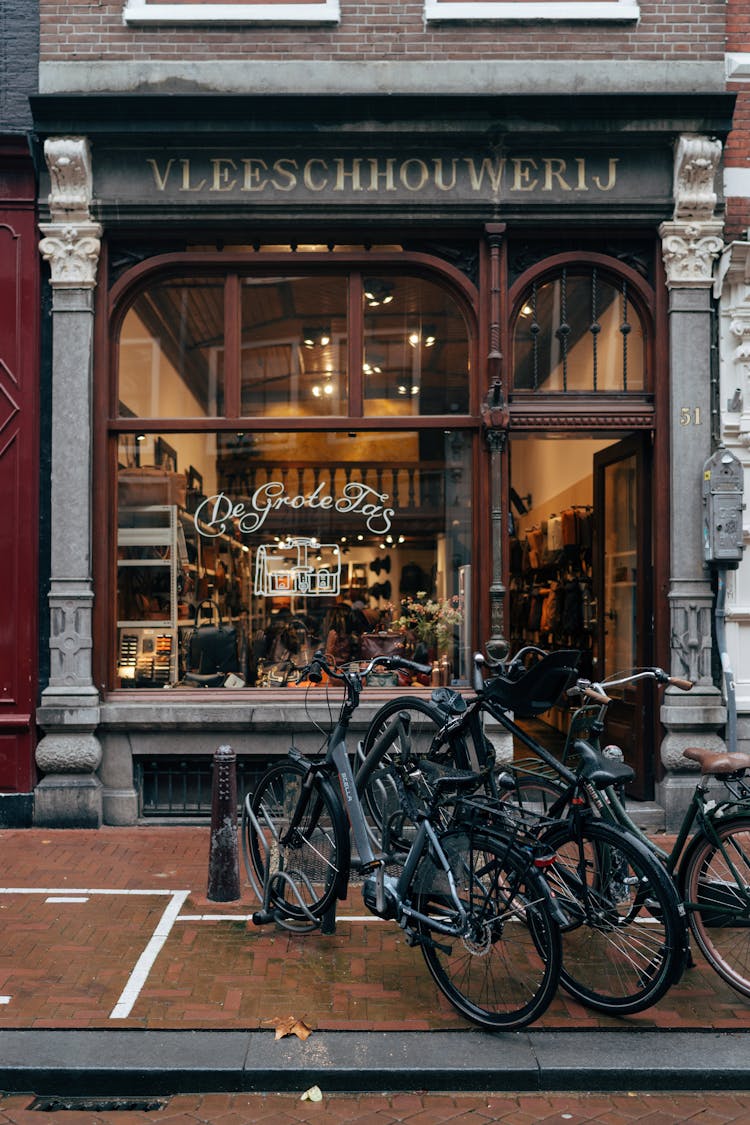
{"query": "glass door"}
[(623, 570)]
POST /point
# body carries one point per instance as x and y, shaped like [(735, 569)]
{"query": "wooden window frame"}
[(111, 310)]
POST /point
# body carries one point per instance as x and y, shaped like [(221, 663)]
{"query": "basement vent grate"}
[(98, 1105)]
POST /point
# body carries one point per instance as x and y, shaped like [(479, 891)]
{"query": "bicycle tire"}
[(503, 972), (626, 943), (374, 778), (709, 888), (316, 857), (534, 793)]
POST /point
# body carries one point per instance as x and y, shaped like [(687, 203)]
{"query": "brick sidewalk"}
[(411, 1109), (68, 958)]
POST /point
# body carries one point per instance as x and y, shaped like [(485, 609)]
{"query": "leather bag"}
[(381, 644), (212, 646)]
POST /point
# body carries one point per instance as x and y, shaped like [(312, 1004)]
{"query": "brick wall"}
[(737, 147), (385, 30)]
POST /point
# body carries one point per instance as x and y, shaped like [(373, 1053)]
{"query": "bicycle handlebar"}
[(597, 694), (314, 670)]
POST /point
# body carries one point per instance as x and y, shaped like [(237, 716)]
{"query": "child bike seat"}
[(536, 690)]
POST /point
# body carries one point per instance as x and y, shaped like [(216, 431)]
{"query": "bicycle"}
[(710, 858), (471, 895), (626, 941)]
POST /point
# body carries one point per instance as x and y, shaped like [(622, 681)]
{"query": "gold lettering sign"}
[(410, 175)]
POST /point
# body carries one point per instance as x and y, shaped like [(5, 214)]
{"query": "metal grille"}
[(565, 313), (181, 787), (98, 1105)]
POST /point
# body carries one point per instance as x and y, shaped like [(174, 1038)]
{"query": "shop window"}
[(231, 11), (532, 10), (272, 516), (579, 330)]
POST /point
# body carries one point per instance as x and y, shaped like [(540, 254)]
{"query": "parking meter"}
[(722, 509)]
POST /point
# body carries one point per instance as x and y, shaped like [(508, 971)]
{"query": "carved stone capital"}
[(689, 250), (72, 251), (69, 163), (696, 163)]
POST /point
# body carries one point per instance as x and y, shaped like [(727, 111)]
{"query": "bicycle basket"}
[(538, 689)]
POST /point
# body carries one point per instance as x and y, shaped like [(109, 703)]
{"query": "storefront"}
[(359, 380)]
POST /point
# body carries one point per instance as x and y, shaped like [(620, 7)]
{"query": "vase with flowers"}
[(431, 622)]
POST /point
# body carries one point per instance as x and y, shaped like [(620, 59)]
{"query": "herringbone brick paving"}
[(64, 964)]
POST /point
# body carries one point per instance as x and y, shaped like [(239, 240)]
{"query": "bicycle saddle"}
[(601, 771), (717, 762), (443, 779)]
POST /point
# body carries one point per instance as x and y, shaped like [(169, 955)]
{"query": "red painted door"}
[(19, 472)]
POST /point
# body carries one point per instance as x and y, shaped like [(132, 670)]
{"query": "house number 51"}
[(690, 415)]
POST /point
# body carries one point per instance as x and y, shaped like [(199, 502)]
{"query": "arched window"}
[(579, 328), (295, 445)]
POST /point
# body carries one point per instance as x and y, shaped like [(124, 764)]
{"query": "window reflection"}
[(171, 355), (294, 346), (416, 356)]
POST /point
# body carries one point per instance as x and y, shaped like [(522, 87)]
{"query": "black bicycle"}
[(626, 940), (471, 892)]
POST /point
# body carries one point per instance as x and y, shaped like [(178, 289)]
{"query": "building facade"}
[(362, 316), (20, 415)]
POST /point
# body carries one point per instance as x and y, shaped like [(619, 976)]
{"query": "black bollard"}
[(223, 862)]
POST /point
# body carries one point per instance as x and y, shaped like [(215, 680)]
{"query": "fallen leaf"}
[(314, 1094), (290, 1025)]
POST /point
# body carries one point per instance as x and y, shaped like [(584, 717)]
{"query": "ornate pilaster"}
[(691, 244), (495, 416), (69, 754), (733, 290)]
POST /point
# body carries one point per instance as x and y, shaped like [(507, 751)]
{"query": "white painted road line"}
[(67, 898), (5, 999), (144, 964), (81, 891)]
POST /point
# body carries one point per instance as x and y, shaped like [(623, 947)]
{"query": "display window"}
[(313, 488)]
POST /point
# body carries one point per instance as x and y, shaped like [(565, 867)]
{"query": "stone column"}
[(70, 794), (691, 243)]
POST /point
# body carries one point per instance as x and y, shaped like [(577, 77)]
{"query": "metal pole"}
[(721, 641), (224, 863)]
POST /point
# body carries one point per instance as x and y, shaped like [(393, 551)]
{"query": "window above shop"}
[(619, 10), (231, 11)]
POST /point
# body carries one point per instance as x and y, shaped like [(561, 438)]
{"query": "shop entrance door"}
[(624, 596)]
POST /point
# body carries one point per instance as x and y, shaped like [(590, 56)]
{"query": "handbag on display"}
[(212, 646), (381, 644)]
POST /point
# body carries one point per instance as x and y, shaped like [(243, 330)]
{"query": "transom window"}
[(341, 344), (579, 330)]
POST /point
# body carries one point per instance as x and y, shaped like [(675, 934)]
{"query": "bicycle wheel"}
[(715, 884), (534, 793), (502, 972), (299, 871), (381, 748), (626, 942)]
